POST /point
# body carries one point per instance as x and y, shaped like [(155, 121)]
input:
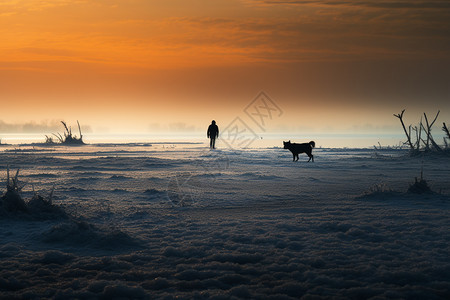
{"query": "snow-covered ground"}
[(179, 220)]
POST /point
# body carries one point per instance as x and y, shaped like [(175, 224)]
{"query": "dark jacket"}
[(213, 131)]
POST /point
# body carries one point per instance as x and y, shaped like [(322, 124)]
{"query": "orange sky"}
[(147, 65)]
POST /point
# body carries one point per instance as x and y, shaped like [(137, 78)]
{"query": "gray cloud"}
[(374, 4)]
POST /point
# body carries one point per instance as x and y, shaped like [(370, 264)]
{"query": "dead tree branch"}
[(428, 132), (79, 129), (445, 128), (59, 137), (408, 135), (67, 129)]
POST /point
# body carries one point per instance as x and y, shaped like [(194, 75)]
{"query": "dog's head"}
[(286, 144)]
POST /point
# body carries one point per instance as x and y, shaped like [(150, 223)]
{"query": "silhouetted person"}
[(212, 133)]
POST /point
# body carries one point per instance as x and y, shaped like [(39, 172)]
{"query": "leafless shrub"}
[(11, 200), (67, 138), (38, 207)]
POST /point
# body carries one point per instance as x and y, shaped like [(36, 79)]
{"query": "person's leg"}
[(214, 143), (211, 143)]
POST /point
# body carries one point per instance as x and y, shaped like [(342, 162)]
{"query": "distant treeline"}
[(34, 127)]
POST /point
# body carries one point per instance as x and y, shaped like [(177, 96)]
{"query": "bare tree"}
[(428, 132), (408, 133), (423, 142)]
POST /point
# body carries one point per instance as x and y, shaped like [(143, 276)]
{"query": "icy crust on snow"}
[(253, 224), (235, 253)]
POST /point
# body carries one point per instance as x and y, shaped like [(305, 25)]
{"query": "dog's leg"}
[(297, 157), (293, 154)]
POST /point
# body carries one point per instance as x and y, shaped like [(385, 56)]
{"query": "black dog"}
[(296, 149)]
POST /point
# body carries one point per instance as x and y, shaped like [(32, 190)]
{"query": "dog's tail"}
[(313, 144)]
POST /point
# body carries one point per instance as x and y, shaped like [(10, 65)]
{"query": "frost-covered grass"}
[(253, 225)]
